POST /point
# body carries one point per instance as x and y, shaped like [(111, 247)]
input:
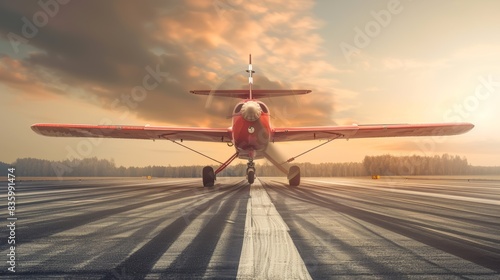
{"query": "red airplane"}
[(251, 131)]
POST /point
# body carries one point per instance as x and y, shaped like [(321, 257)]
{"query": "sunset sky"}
[(366, 62)]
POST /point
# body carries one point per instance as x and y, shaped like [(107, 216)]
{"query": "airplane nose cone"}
[(251, 111)]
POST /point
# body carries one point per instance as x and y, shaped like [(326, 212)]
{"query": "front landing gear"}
[(294, 176), (250, 171), (208, 176)]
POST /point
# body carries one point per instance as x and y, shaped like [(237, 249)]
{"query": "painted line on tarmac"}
[(268, 250)]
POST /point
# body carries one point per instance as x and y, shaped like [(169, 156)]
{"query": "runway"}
[(325, 228)]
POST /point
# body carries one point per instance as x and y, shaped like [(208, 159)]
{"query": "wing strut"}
[(328, 141), (223, 165), (182, 145)]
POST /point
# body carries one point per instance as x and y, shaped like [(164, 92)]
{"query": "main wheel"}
[(251, 176), (294, 176), (208, 176)]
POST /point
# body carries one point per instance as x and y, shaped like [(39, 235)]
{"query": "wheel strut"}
[(225, 164)]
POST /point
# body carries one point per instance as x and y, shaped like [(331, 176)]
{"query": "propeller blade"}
[(276, 158)]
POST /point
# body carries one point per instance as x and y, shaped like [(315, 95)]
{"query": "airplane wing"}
[(368, 131), (134, 132)]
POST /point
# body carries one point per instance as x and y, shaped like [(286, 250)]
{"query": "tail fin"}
[(249, 93), (250, 76)]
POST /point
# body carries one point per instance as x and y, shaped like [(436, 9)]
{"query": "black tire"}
[(294, 176), (251, 176), (208, 176)]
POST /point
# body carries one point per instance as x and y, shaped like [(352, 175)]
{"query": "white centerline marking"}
[(268, 251)]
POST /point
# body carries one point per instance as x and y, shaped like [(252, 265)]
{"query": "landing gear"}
[(250, 171), (251, 176), (294, 176), (208, 176)]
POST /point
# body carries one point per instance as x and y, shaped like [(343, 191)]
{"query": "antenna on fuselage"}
[(250, 73)]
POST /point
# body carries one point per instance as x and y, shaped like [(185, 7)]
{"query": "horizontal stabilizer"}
[(256, 93)]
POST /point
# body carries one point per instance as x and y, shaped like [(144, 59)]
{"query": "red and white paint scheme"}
[(251, 131)]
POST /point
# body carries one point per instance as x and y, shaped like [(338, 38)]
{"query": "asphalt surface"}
[(325, 228)]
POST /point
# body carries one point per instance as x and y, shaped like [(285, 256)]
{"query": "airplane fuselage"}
[(251, 128)]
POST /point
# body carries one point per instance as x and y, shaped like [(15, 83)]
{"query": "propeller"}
[(271, 153), (276, 158), (220, 106)]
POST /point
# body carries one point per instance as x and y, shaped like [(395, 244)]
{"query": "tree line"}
[(418, 165), (385, 165)]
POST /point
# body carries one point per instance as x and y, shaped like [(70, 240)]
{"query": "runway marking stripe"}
[(437, 195), (268, 250)]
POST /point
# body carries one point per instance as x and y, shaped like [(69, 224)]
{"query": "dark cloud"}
[(105, 48), (90, 44)]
